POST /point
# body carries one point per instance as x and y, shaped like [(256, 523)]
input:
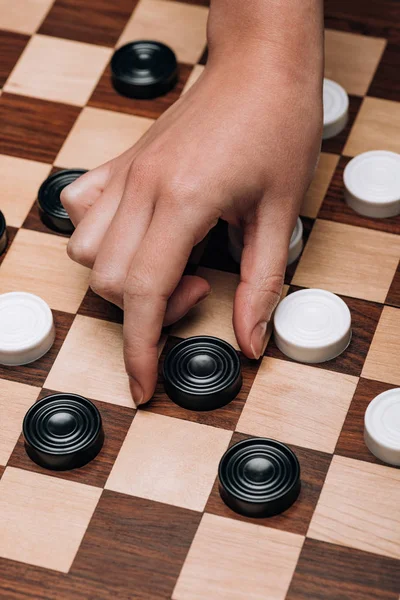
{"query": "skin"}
[(242, 145)]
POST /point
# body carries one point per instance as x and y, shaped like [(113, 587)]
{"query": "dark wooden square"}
[(386, 81), (105, 97), (314, 467), (94, 306), (351, 440), (393, 297), (93, 21), (11, 46), (223, 418), (335, 208), (135, 548), (116, 422), (331, 572), (32, 128), (364, 319), (336, 144)]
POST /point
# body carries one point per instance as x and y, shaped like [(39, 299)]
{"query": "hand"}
[(242, 145)]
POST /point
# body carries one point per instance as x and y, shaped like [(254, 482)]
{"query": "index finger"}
[(154, 274)]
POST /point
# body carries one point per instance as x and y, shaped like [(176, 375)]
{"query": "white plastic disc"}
[(372, 184), (336, 109), (382, 427), (26, 328), (312, 326), (296, 242)]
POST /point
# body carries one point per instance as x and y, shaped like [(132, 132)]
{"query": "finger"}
[(123, 238), (84, 244), (154, 274), (190, 291), (81, 194), (266, 243)]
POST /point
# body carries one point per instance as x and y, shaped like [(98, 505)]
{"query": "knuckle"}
[(70, 196), (105, 286), (80, 252)]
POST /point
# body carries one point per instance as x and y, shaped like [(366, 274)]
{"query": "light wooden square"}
[(348, 260), (377, 127), (359, 507), (352, 59), (15, 399), (193, 77), (91, 362), (297, 404), (100, 135), (319, 185), (213, 316), (20, 180), (180, 26), (383, 358), (23, 16), (38, 263), (169, 460), (58, 70), (43, 519), (233, 560)]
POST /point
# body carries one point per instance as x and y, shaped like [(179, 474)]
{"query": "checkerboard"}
[(144, 519)]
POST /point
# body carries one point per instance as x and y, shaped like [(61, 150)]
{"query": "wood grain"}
[(19, 178), (351, 440), (383, 359), (364, 320), (329, 572), (228, 560), (94, 306), (104, 96), (335, 208), (336, 144), (386, 81), (26, 123), (145, 544), (348, 513), (178, 25), (377, 127), (43, 518), (393, 296), (11, 47), (35, 373), (378, 18), (316, 192), (85, 148), (297, 404), (73, 19), (157, 461), (349, 260), (314, 466), (116, 422), (38, 263), (351, 60), (58, 70)]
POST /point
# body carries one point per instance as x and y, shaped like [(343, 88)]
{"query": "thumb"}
[(263, 264)]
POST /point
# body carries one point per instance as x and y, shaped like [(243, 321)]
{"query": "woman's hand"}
[(242, 145)]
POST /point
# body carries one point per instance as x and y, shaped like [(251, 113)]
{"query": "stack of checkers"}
[(240, 478)]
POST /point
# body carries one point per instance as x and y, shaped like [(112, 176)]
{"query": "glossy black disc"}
[(52, 212), (3, 233), (202, 373), (259, 477), (63, 431), (144, 69)]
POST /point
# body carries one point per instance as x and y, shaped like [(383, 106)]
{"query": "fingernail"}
[(258, 341), (136, 391)]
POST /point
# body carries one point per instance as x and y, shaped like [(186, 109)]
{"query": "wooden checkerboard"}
[(144, 519)]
